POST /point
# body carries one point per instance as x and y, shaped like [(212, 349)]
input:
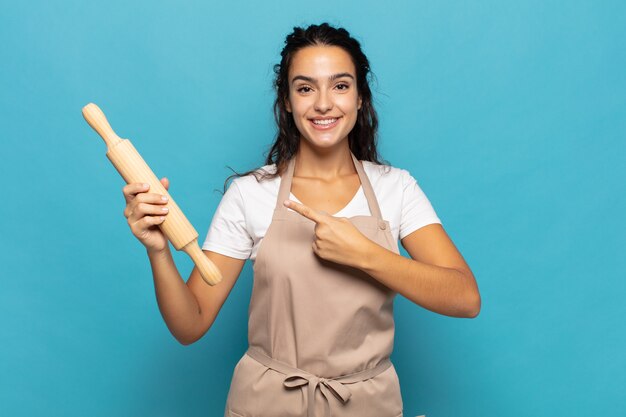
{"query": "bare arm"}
[(189, 309), (436, 278)]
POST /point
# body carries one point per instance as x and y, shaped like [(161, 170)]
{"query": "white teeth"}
[(324, 122)]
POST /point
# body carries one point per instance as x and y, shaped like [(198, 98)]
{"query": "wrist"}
[(158, 253), (366, 257)]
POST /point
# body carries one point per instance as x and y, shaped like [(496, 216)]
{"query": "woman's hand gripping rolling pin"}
[(145, 211), (336, 238)]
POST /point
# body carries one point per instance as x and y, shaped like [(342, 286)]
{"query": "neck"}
[(326, 164)]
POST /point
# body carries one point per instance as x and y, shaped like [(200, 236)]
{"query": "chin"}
[(324, 144)]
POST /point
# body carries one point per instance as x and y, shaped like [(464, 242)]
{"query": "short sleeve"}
[(417, 211), (228, 234)]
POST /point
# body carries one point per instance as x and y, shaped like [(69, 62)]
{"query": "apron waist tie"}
[(297, 377)]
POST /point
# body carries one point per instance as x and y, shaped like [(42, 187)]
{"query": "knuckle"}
[(132, 188)]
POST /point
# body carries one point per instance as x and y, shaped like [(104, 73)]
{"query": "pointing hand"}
[(336, 238)]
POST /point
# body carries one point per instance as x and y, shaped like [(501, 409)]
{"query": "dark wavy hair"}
[(362, 138)]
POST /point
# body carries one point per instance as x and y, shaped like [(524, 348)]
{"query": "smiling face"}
[(323, 96)]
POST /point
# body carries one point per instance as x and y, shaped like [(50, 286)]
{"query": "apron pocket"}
[(375, 397), (256, 391)]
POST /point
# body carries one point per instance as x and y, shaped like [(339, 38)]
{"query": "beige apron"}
[(320, 334)]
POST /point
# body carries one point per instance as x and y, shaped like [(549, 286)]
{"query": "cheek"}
[(299, 107), (348, 102)]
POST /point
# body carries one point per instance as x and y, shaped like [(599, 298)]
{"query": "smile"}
[(324, 124)]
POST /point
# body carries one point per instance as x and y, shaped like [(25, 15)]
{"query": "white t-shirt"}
[(245, 211)]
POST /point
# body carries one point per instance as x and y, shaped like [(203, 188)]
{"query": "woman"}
[(321, 314)]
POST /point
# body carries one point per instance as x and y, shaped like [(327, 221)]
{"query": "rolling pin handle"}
[(98, 121), (209, 272)]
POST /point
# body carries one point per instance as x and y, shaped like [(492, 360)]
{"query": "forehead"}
[(321, 61)]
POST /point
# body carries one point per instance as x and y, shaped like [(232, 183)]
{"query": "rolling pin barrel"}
[(133, 168)]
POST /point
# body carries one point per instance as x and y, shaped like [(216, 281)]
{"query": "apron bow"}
[(326, 385), (295, 377)]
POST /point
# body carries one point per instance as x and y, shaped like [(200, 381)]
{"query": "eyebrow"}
[(313, 80)]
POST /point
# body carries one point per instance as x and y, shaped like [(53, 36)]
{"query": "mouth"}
[(324, 123)]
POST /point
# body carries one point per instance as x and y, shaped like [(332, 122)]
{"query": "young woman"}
[(321, 221)]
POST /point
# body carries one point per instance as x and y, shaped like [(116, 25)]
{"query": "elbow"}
[(472, 298), (190, 337), (473, 307), (466, 308), (192, 333), (186, 341)]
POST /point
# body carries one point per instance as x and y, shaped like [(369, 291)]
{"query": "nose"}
[(323, 101)]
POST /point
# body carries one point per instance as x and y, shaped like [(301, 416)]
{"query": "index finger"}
[(131, 190), (306, 211)]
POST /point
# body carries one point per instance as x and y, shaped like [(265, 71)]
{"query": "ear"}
[(287, 105), (360, 103)]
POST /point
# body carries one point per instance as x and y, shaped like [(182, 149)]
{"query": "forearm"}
[(442, 290), (177, 303)]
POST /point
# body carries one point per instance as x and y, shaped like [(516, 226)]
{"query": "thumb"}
[(165, 182)]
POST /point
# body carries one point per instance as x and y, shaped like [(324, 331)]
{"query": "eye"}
[(343, 86), (303, 89)]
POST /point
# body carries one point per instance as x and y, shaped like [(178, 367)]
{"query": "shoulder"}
[(257, 177), (254, 186)]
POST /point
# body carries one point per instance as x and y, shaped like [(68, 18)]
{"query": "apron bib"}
[(320, 334)]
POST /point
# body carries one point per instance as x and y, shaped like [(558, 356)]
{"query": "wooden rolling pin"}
[(133, 168)]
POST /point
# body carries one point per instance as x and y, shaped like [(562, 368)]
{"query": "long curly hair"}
[(362, 138)]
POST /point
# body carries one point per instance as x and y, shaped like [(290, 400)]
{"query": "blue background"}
[(511, 116)]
